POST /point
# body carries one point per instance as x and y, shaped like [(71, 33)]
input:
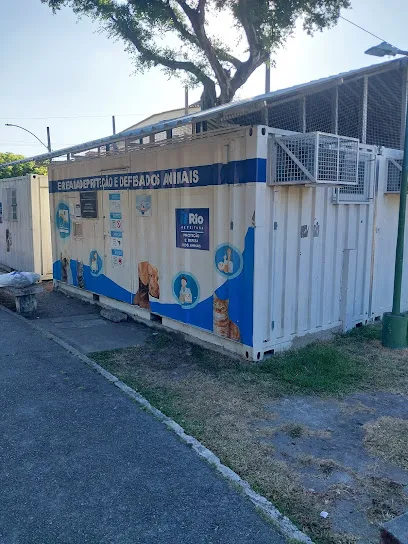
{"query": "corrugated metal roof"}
[(228, 109)]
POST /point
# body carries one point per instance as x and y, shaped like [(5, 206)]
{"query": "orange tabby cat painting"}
[(223, 326)]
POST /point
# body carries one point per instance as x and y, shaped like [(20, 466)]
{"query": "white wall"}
[(385, 240), (30, 248), (152, 238), (336, 275)]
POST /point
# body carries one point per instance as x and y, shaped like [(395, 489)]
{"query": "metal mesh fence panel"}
[(327, 158), (394, 174), (287, 115), (350, 109), (295, 159), (320, 111), (316, 158), (368, 106), (385, 109), (362, 191)]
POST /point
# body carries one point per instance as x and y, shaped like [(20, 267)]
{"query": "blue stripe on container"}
[(245, 171)]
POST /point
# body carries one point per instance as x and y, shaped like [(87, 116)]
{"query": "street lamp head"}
[(32, 134), (382, 50)]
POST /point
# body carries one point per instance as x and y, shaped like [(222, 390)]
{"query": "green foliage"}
[(317, 368), (176, 34), (18, 169), (369, 332)]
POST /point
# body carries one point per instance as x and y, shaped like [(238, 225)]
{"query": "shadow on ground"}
[(79, 324)]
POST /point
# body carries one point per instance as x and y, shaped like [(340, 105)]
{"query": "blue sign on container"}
[(193, 228)]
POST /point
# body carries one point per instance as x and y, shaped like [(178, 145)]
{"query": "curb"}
[(281, 522)]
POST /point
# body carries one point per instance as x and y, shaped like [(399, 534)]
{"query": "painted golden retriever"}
[(148, 285)]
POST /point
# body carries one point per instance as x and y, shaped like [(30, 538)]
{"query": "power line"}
[(22, 142), (363, 29), (73, 117), (8, 144)]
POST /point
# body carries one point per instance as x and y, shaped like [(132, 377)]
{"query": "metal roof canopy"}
[(218, 111)]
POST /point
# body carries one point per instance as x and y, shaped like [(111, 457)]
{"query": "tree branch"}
[(227, 57), (178, 24), (156, 58), (197, 19), (250, 31), (246, 69)]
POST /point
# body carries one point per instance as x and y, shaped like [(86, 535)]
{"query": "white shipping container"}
[(229, 236), (25, 228)]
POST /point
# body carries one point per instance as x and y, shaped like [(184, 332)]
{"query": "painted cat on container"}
[(223, 325)]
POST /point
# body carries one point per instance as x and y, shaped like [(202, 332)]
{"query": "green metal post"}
[(399, 259), (395, 325)]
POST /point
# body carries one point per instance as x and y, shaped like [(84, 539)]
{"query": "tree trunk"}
[(209, 96)]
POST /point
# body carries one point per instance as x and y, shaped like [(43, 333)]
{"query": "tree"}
[(176, 34), (18, 169)]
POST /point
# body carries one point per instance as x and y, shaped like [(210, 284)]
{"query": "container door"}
[(117, 257), (45, 227)]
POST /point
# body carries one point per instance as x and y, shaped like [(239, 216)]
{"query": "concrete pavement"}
[(79, 324), (80, 462)]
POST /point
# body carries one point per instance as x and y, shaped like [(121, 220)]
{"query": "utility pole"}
[(395, 324), (186, 104), (268, 75), (48, 139)]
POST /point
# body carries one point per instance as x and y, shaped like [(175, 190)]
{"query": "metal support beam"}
[(48, 140), (186, 101), (265, 114), (404, 104), (364, 119), (304, 119), (335, 110), (268, 76)]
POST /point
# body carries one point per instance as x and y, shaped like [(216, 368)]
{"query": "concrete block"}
[(113, 315), (26, 305)]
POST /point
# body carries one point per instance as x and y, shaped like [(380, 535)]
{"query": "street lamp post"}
[(395, 324), (32, 134)]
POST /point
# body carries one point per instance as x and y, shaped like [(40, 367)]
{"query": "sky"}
[(59, 72)]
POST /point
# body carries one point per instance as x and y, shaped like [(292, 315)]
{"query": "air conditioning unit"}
[(314, 158)]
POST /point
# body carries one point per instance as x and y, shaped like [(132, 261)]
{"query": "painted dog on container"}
[(148, 285)]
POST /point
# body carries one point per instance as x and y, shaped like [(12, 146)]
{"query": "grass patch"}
[(387, 437), (369, 332), (222, 402), (317, 368), (295, 430)]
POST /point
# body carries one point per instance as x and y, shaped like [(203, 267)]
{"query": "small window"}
[(11, 195)]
